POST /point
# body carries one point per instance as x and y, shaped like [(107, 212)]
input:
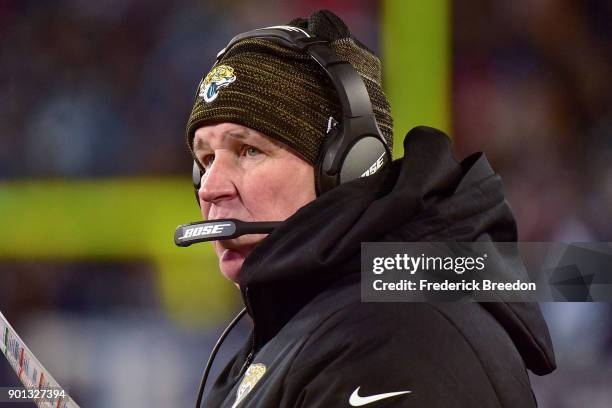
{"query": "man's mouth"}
[(234, 245)]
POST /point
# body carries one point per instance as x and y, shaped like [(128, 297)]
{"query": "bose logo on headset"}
[(355, 140), (214, 229), (375, 166)]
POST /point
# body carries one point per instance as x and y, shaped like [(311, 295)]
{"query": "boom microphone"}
[(216, 230)]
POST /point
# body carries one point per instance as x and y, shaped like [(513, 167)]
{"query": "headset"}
[(354, 146)]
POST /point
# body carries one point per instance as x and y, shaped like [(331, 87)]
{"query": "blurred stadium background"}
[(94, 175)]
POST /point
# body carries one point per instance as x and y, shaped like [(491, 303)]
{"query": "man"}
[(256, 130)]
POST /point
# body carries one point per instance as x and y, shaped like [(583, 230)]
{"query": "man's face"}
[(250, 177)]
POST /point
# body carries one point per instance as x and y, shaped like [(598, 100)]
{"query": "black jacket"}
[(314, 342)]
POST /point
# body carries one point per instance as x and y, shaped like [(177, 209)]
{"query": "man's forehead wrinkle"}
[(201, 142), (238, 134), (243, 134)]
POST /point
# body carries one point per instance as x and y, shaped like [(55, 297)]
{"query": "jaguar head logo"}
[(219, 77), (252, 375)]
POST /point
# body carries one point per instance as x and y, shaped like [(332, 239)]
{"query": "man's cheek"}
[(205, 209), (262, 198)]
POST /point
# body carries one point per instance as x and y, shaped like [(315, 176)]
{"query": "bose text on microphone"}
[(204, 231)]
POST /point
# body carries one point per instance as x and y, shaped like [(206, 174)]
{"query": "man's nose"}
[(217, 183)]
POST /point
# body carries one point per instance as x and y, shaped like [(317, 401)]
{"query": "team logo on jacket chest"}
[(219, 77), (251, 377)]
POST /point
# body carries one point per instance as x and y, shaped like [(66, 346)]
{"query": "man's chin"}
[(230, 264), (233, 252)]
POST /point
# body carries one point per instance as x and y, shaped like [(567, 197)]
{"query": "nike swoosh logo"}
[(358, 401)]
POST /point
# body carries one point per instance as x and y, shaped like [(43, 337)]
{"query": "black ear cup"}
[(352, 149), (196, 176), (363, 158)]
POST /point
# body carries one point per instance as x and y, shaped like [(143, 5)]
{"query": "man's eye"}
[(208, 160), (251, 151)]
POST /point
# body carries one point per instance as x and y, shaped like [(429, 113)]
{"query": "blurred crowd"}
[(531, 88), (103, 89)]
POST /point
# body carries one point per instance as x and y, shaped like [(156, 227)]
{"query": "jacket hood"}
[(425, 196)]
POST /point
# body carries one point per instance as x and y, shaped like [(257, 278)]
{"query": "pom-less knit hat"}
[(285, 94)]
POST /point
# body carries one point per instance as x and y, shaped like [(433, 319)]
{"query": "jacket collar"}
[(415, 198)]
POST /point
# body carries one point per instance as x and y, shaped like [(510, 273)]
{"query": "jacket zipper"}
[(246, 364), (251, 354)]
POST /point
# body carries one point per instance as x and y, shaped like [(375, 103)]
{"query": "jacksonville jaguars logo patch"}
[(251, 377), (219, 77)]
